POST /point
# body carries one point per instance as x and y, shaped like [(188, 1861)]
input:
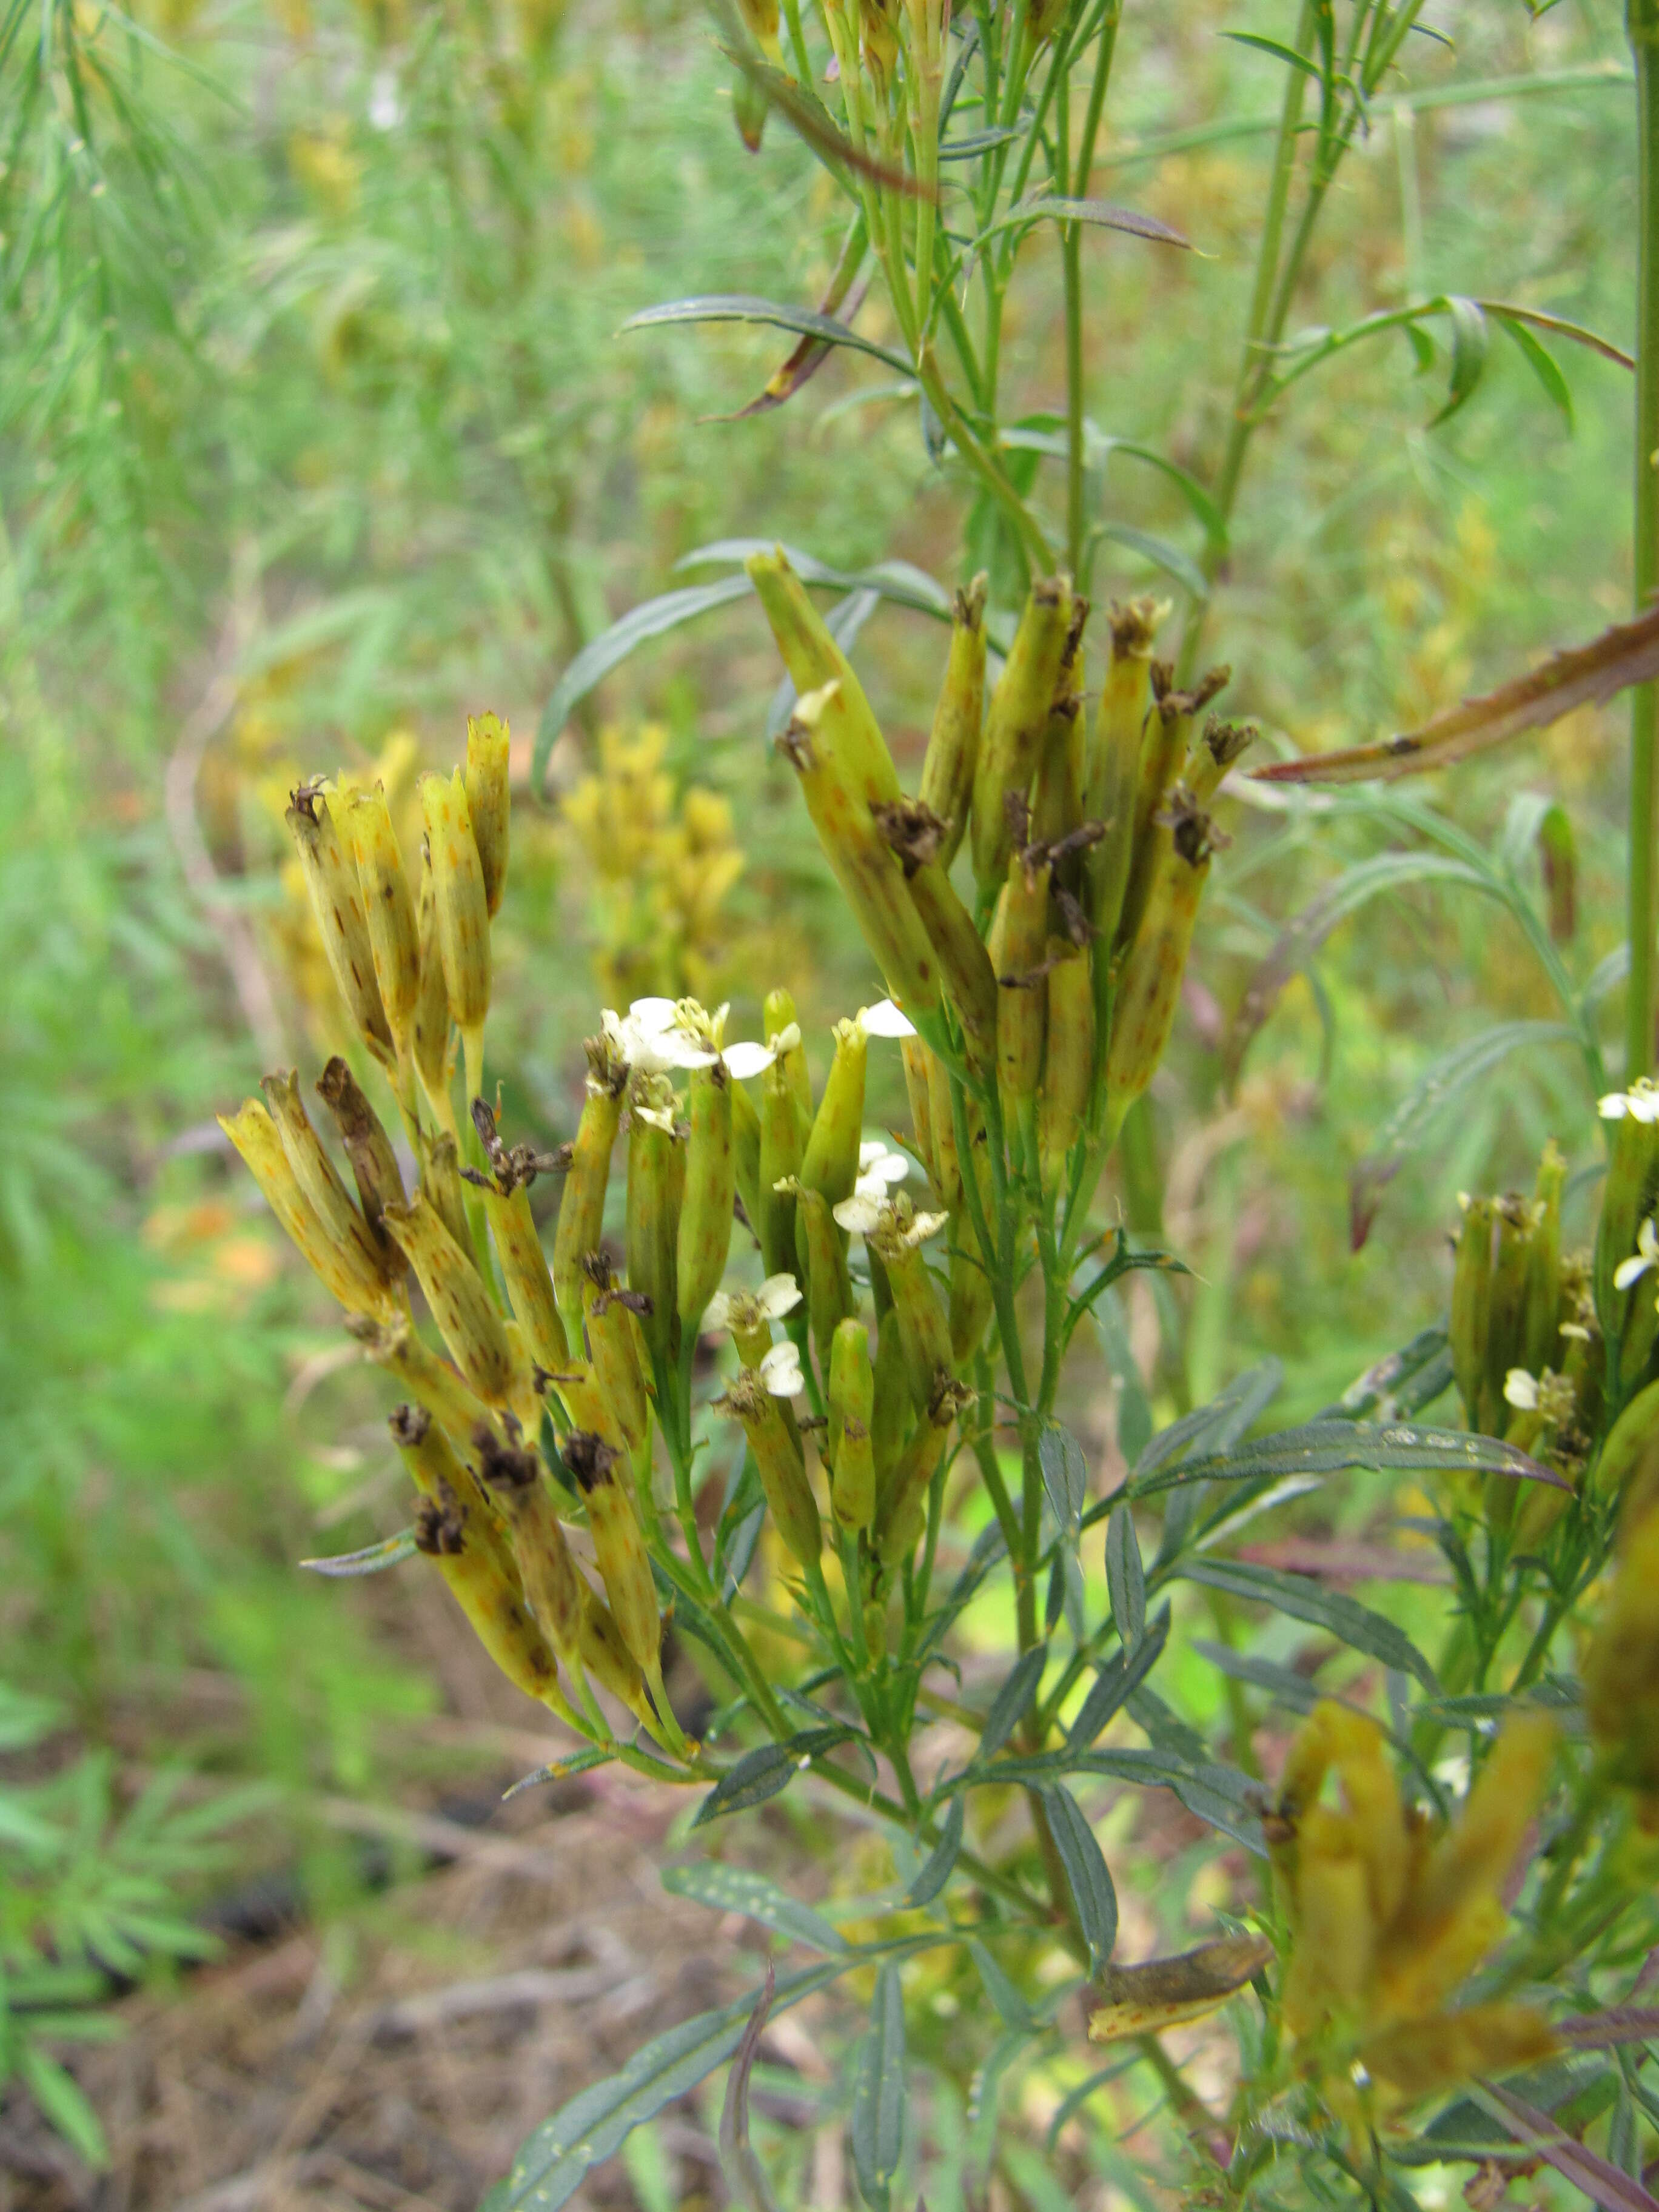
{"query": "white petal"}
[(777, 1296), (1521, 1389), (652, 1016), (884, 1019), (659, 1117), (1629, 1271), (862, 1212), (786, 1040), (924, 1226), (1576, 1330), (780, 1371), (891, 1168), (743, 1061), (679, 1049), (1644, 1105), (1614, 1107), (717, 1314), (872, 1149)]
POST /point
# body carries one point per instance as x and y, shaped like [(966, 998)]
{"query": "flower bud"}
[(466, 1315), (463, 915), (614, 1338), (1068, 1065), (581, 1210), (711, 1187), (1143, 1010), (517, 1242), (337, 902), (487, 801), (374, 1162), (779, 1164), (778, 1463), (447, 1534), (947, 766), (429, 1025), (1023, 998), (432, 1382), (656, 1181), (1015, 724), (852, 1402), (359, 1287), (1471, 1299), (903, 1509), (370, 1254), (394, 937)]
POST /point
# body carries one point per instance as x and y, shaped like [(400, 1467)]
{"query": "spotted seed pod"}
[(581, 1210), (394, 936), (1016, 723), (891, 1419), (613, 1522), (489, 802), (359, 1287), (615, 1341), (448, 1535), (374, 1162), (434, 1466), (331, 877), (467, 1317), (711, 1187), (429, 1028), (656, 1173), (432, 1382), (1162, 763), (553, 1587), (780, 1464), (947, 766), (463, 912), (852, 1402), (609, 1660), (1143, 1009), (440, 1185), (524, 1270), (1068, 1064), (369, 1252)]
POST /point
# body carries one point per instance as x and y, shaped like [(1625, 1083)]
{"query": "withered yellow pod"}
[(370, 1253), (446, 1534), (488, 803), (619, 1548), (1023, 998), (947, 766), (463, 912), (331, 876), (467, 1317), (610, 1662), (441, 1184), (374, 1162), (581, 1210), (1069, 1057), (1016, 723), (434, 1465), (394, 936), (429, 1029), (553, 1587), (615, 1344), (1144, 1006), (518, 1242), (779, 1462), (343, 1270), (432, 1382)]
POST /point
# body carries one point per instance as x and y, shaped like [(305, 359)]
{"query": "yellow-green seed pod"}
[(614, 1338), (618, 1546), (586, 1404), (891, 1417), (417, 1369), (919, 1063), (488, 745), (746, 1150), (711, 1189), (782, 1028), (449, 1536), (824, 1255), (1506, 1307), (1016, 723), (1630, 1457), (1223, 743), (581, 1210), (1163, 760), (394, 936), (778, 1463), (1144, 1006), (947, 1168), (462, 914), (1114, 776), (852, 1402), (331, 877), (1539, 1327), (440, 1183), (903, 1510), (848, 729), (924, 1330), (972, 1298), (655, 1180), (370, 1253), (434, 1466), (1069, 1059), (1057, 802), (780, 1162), (610, 1662), (374, 1162), (830, 1162), (1628, 1197), (1471, 1294), (1023, 998), (466, 1315), (552, 1585), (429, 1028), (361, 1288), (518, 1242), (947, 766), (964, 965)]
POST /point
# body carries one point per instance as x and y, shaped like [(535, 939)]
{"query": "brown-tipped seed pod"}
[(361, 1288), (915, 834), (711, 1189), (852, 1402), (610, 1662), (656, 1171), (553, 1587), (429, 1029), (581, 1210), (488, 745), (369, 1252), (462, 914), (1114, 776), (517, 1242), (441, 1184), (779, 1462), (891, 1417), (466, 1315), (779, 1164), (1163, 760), (394, 936), (449, 1536), (1144, 1007), (1506, 1306), (619, 1548), (947, 766), (746, 1150), (1016, 723), (374, 1162), (823, 1259), (903, 1513), (618, 1348), (1057, 801), (331, 878), (433, 1382), (434, 1466), (1023, 998), (919, 1065), (1069, 1061), (895, 1239), (1222, 745)]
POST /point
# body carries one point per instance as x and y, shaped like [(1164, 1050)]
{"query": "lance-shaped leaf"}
[(1009, 1706), (1065, 1478), (1086, 1872), (878, 2128), (373, 1560), (1104, 213), (1117, 1682), (561, 1770), (1600, 2181), (1582, 675), (804, 362), (762, 1774), (742, 307), (740, 1889), (1599, 2031), (936, 1872), (1125, 1578), (1399, 1385), (1341, 1616), (1332, 1447), (613, 646)]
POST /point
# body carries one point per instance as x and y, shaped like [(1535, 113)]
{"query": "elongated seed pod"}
[(343, 1270), (462, 914), (374, 1162), (1068, 1063), (780, 1162), (924, 1330), (394, 936), (619, 1548), (1015, 724), (553, 1587), (1023, 998), (947, 1172), (586, 1405), (781, 1026), (524, 1272), (745, 1155), (891, 1417), (919, 1063), (1223, 743), (828, 1285), (466, 1315), (852, 1402), (1540, 1328), (915, 832), (331, 878), (831, 1163), (652, 1224), (972, 1301), (609, 1660), (581, 1210), (487, 801), (903, 1509), (1114, 776), (441, 1184), (449, 1536), (947, 766), (1144, 1007), (615, 1341), (432, 1382), (778, 1463), (434, 1465), (429, 1027), (1506, 1308), (1057, 801), (335, 1208), (1471, 1294), (1158, 781), (711, 1186)]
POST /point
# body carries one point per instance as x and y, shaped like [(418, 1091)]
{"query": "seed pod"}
[(655, 1180), (1628, 1199), (1057, 802), (337, 902), (462, 914), (1143, 1011), (780, 1464), (581, 1210), (947, 766), (1114, 776), (440, 1183), (782, 1028), (965, 966), (1539, 1327), (1162, 759), (1016, 723), (434, 1466), (1506, 1307), (1621, 1668), (746, 1150), (780, 1162), (1629, 1458), (852, 1402), (831, 1163), (1223, 743), (609, 1660), (370, 1253), (1471, 1295), (361, 1289), (1069, 1064), (518, 1242), (829, 1287), (432, 1382), (619, 1547), (892, 1401), (374, 1162), (615, 1340), (903, 1510), (394, 937), (553, 1587), (924, 1331), (429, 1028), (448, 1535), (487, 801), (1023, 998), (711, 1185), (466, 1315), (919, 1063), (972, 1299)]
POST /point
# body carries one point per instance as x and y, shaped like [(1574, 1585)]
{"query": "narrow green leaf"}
[(878, 2127), (1471, 340), (942, 1859), (1278, 49), (1117, 1682), (1399, 1386), (373, 1560), (62, 2100), (1074, 2099), (741, 307), (739, 1889), (1105, 216), (1333, 1447), (1065, 1478), (1006, 2000), (613, 646), (1159, 551), (1341, 1616), (1541, 361), (762, 1773), (1125, 1576), (1212, 1428), (1009, 1706), (1086, 1871)]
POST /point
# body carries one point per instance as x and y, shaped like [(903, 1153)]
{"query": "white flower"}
[(1521, 1390), (1640, 1101), (779, 1370), (1646, 1255), (786, 1040), (743, 1060), (861, 1212), (777, 1296), (705, 1035), (878, 1170), (875, 1216), (885, 1020), (651, 1038)]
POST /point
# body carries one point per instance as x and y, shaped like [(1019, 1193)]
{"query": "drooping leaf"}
[(1471, 340), (937, 1871), (1341, 1616), (1101, 213), (899, 582), (1397, 1386), (1008, 1707), (745, 307), (761, 1773), (1125, 1576), (1541, 361), (841, 297), (1214, 1427), (1278, 49), (740, 1889), (561, 1770), (1600, 2181), (1117, 1682), (878, 2126), (1624, 655), (373, 1560), (745, 2177), (651, 618), (1006, 2000), (1160, 1993), (1333, 1447), (1161, 554), (1086, 1871)]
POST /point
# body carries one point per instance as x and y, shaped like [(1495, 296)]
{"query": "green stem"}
[(1086, 151), (1639, 1006)]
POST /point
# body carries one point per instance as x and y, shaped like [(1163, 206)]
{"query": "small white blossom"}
[(878, 1170), (1646, 1255), (777, 1296), (650, 1038), (1640, 1101), (1521, 1390), (706, 1035), (861, 1212), (747, 1058), (779, 1370), (885, 1020)]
